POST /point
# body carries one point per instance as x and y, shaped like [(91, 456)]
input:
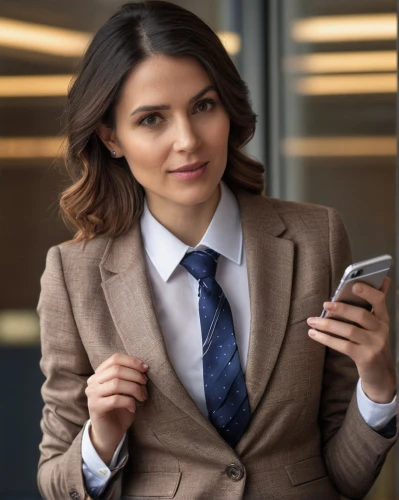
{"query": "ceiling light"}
[(345, 28), (231, 41), (339, 146), (347, 84), (34, 85), (19, 327), (30, 147), (42, 38), (342, 62)]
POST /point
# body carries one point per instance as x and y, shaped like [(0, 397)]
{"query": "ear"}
[(108, 137)]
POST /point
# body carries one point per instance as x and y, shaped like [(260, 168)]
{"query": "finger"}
[(365, 319), (339, 345), (123, 373), (374, 297), (122, 387), (385, 286), (116, 401), (351, 332), (123, 360)]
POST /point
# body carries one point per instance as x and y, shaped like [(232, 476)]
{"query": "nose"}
[(186, 138)]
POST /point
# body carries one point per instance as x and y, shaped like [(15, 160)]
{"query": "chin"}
[(197, 195)]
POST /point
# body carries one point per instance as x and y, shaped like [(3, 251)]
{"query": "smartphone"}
[(372, 272)]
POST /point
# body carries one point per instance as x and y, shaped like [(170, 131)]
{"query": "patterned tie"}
[(225, 390)]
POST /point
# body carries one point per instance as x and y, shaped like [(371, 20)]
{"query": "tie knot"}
[(201, 263)]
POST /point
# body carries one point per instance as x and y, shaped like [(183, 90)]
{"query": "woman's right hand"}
[(113, 393)]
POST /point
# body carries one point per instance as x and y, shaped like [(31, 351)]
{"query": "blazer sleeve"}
[(354, 453), (66, 366)]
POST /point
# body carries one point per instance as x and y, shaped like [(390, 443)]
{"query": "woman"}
[(144, 356)]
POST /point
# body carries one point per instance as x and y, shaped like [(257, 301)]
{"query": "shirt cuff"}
[(376, 415), (95, 471)]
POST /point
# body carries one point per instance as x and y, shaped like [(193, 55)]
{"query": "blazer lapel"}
[(128, 294), (270, 266)]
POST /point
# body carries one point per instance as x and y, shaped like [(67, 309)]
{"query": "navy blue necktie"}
[(225, 390)]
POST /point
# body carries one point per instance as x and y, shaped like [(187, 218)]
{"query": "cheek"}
[(217, 133), (143, 157)]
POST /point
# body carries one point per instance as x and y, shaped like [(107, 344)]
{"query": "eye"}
[(205, 105), (149, 120)]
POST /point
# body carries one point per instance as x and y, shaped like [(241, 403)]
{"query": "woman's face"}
[(169, 115)]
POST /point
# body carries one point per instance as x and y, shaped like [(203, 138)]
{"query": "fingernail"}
[(312, 333), (145, 366), (328, 305), (311, 321), (357, 288)]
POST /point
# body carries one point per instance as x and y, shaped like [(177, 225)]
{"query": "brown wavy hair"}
[(105, 198)]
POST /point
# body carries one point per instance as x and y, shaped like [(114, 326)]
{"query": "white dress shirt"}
[(171, 285)]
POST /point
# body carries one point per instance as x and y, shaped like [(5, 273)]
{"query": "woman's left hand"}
[(367, 344)]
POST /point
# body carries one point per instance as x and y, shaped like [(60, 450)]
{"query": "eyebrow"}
[(158, 107)]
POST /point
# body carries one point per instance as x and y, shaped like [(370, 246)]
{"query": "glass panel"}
[(333, 113)]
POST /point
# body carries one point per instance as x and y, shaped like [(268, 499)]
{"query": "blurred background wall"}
[(322, 75)]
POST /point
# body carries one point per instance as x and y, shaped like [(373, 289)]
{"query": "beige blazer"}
[(306, 438)]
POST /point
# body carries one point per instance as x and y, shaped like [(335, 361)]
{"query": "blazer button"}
[(74, 495), (235, 472)]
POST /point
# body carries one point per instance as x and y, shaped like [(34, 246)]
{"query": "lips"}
[(189, 168)]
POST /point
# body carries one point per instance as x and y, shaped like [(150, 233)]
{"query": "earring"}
[(113, 154)]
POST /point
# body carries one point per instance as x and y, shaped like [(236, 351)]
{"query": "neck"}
[(187, 223)]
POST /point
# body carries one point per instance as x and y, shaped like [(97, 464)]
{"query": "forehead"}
[(162, 79)]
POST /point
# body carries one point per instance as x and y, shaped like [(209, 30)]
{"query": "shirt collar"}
[(224, 235)]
